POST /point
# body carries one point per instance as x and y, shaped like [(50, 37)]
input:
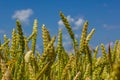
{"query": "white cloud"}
[(69, 18), (76, 23), (79, 22), (60, 23), (68, 46), (23, 15), (110, 27)]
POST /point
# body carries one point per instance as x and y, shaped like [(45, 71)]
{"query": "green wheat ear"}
[(42, 71), (35, 31), (59, 51), (46, 36), (20, 35), (46, 53), (83, 37), (68, 27), (4, 44), (89, 36)]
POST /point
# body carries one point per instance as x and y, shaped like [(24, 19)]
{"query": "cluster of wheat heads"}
[(20, 62)]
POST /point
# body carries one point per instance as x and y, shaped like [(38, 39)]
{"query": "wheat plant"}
[(19, 61)]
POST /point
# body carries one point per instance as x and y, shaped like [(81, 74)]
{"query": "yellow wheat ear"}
[(20, 35), (42, 71), (89, 36), (69, 28), (83, 37), (77, 76), (7, 75), (45, 54), (5, 43), (35, 31), (13, 43), (46, 36)]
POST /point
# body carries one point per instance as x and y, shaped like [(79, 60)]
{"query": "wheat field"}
[(18, 61)]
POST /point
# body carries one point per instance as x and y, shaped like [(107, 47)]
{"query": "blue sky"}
[(103, 15)]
